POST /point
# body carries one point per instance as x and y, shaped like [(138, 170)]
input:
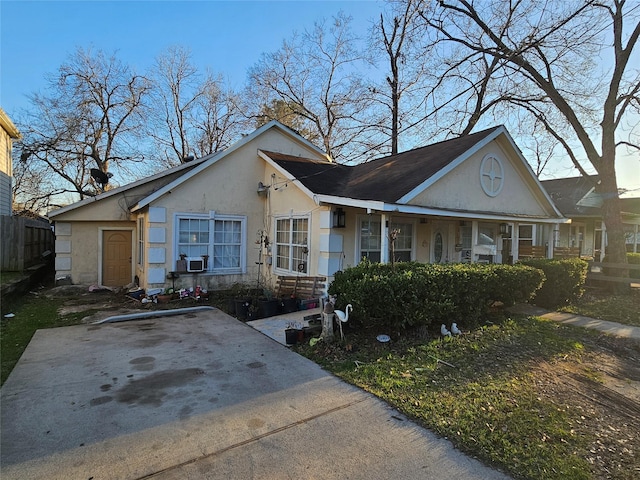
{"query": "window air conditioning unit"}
[(195, 264)]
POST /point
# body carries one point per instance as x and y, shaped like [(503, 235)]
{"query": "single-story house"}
[(273, 204), (578, 201)]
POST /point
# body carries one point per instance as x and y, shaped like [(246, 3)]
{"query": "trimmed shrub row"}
[(633, 259), (564, 280), (413, 294)]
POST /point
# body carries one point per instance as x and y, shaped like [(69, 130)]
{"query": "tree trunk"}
[(615, 251), (327, 327)]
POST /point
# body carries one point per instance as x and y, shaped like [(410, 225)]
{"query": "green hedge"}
[(633, 259), (564, 280), (412, 294)]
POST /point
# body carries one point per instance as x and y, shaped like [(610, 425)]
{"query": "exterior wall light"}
[(262, 188), (339, 217)]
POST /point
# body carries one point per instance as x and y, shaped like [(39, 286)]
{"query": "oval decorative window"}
[(491, 175), (437, 248)]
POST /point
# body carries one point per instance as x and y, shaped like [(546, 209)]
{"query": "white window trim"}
[(411, 222), (212, 216), (274, 243), (141, 241), (534, 233), (358, 242)]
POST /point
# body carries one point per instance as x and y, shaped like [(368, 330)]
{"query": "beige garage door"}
[(116, 258)]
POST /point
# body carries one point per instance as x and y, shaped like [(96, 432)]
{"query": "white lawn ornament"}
[(343, 317), (454, 329), (444, 331)]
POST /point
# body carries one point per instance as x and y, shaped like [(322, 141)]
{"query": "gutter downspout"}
[(158, 313)]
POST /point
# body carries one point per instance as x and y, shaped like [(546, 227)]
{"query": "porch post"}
[(515, 241), (384, 238), (551, 236), (603, 241), (635, 239)]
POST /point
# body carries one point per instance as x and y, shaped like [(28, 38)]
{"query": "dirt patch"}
[(604, 388), (104, 303)]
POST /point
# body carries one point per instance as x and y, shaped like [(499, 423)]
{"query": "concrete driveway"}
[(200, 395)]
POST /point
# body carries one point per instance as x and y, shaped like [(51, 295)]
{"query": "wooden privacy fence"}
[(601, 272), (25, 242)]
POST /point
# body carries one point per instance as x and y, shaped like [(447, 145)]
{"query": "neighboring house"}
[(8, 133), (576, 198), (274, 204)]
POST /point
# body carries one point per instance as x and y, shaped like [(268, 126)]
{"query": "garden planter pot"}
[(291, 336), (242, 309), (289, 305), (231, 306), (268, 308), (164, 298)]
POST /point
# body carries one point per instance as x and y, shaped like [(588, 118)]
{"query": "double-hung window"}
[(292, 247), (227, 245), (220, 238), (525, 235), (404, 241), (370, 240)]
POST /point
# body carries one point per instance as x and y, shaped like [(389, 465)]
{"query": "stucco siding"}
[(80, 259), (227, 187), (516, 195)]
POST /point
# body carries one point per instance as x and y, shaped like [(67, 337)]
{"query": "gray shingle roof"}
[(567, 192), (386, 179)]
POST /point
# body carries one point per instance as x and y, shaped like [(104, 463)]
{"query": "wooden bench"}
[(300, 287), (566, 252), (528, 251)]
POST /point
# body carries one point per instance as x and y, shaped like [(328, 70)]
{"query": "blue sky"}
[(228, 37), (225, 36)]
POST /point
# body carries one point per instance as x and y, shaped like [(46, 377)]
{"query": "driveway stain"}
[(151, 341), (100, 400), (150, 390), (143, 364)]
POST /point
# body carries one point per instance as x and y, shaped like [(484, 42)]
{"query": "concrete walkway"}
[(274, 327), (201, 396), (611, 328)]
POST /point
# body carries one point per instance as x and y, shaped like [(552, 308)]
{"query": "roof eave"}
[(120, 189), (215, 157)]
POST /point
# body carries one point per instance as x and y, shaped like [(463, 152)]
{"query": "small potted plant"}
[(166, 296)]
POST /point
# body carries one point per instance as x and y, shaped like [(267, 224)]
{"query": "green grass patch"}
[(488, 403), (8, 277), (604, 306), (30, 314)]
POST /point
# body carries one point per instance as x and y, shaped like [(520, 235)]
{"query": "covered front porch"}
[(435, 237)]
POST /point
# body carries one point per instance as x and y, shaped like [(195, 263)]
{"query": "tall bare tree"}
[(317, 75), (90, 119), (191, 114), (543, 58), (402, 95)]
